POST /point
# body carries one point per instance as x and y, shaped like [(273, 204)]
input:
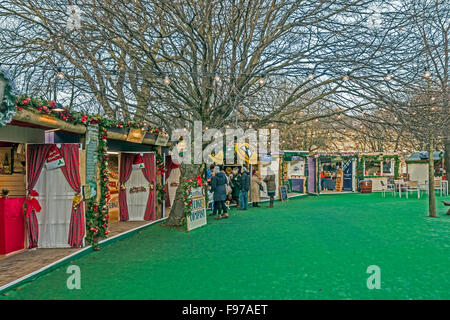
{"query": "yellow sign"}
[(217, 159), (135, 135), (244, 152)]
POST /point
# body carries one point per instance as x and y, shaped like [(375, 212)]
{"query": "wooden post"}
[(158, 181)]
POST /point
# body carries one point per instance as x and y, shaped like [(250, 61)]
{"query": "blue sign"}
[(266, 157)]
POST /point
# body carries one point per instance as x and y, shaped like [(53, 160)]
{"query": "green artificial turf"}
[(307, 248)]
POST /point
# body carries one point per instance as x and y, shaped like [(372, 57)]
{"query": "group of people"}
[(236, 186)]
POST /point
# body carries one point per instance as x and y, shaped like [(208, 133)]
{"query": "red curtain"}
[(126, 167), (170, 165), (150, 175), (36, 156), (71, 171)]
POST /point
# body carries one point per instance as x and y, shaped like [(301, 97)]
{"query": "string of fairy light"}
[(311, 75), (218, 76)]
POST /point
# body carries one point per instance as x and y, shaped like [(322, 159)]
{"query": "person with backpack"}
[(218, 183), (244, 183)]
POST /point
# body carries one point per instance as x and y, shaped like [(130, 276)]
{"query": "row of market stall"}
[(302, 172), (72, 180), (66, 176), (74, 174), (73, 177)]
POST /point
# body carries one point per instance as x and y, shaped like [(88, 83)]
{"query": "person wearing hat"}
[(244, 182), (220, 194)]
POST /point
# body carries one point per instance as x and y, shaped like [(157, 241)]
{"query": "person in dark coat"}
[(244, 183), (271, 186), (235, 185), (220, 194)]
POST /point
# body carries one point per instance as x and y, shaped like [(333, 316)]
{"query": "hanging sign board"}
[(162, 139), (55, 159), (198, 214), (266, 157), (135, 135)]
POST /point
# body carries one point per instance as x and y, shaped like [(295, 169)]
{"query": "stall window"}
[(372, 168), (388, 167)]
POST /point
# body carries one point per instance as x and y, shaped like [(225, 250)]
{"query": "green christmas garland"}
[(187, 186), (97, 216), (161, 192)]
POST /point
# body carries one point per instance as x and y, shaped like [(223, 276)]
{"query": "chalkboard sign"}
[(284, 193)]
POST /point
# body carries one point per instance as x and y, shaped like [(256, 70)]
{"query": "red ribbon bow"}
[(32, 203)]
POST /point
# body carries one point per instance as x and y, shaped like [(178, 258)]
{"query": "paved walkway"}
[(17, 265)]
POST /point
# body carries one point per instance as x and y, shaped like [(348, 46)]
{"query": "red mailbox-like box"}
[(12, 225)]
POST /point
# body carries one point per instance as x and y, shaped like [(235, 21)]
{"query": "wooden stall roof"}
[(26, 118), (47, 121), (422, 156)]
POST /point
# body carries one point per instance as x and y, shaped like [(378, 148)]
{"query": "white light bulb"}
[(166, 81)]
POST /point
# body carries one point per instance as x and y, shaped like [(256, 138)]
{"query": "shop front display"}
[(54, 175), (380, 168), (137, 183), (331, 172), (294, 168)]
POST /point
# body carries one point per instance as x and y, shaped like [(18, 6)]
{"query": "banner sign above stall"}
[(55, 159), (135, 135), (198, 214), (296, 158), (138, 162), (162, 139)]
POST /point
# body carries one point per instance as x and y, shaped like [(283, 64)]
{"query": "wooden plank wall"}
[(15, 183)]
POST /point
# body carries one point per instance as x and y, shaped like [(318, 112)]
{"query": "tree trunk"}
[(447, 155), (177, 216), (431, 199)]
